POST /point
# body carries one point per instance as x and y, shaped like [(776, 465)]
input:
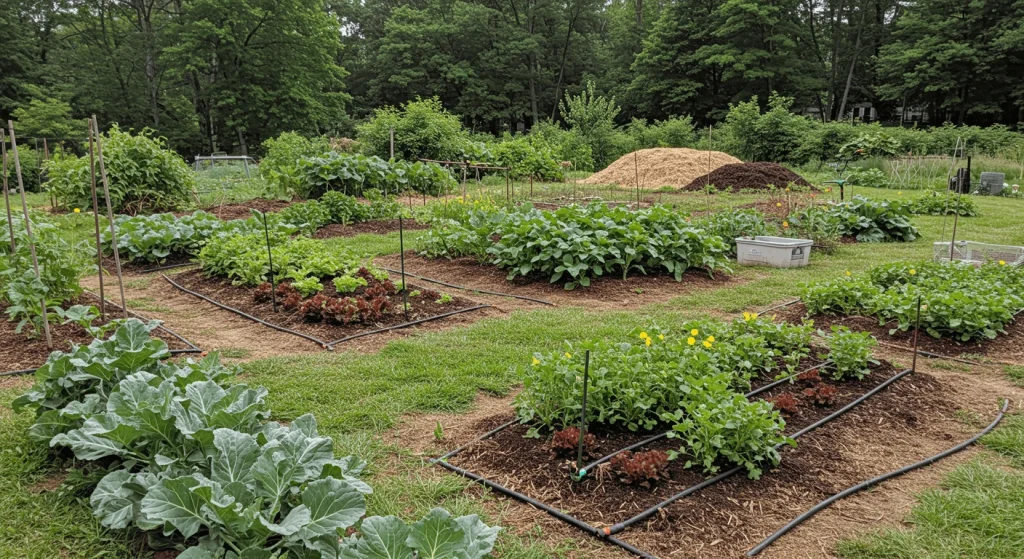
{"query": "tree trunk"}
[(853, 62)]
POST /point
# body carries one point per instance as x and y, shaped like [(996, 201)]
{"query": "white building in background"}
[(865, 112)]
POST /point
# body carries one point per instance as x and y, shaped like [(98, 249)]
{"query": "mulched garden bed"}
[(241, 298), (724, 519), (380, 227), (141, 266), (241, 210), (608, 292), (1005, 347), (19, 352)]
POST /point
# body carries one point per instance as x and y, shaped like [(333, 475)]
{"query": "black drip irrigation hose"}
[(453, 286), (590, 467), (572, 521), (929, 354), (317, 341), (16, 373), (330, 345), (871, 482), (168, 267), (615, 529), (192, 348)]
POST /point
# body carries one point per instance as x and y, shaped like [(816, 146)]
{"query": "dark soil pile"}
[(747, 176)]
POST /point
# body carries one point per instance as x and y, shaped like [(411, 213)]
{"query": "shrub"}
[(527, 157), (423, 130), (873, 178), (280, 165), (733, 224), (935, 203), (143, 173), (873, 221), (353, 174), (770, 136)]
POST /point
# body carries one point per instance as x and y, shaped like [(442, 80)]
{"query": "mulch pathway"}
[(379, 227)]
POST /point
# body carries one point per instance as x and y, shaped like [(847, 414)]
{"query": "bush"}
[(872, 221), (772, 136), (675, 132), (566, 145), (527, 156), (144, 175), (873, 178), (738, 223), (423, 130), (353, 174), (280, 165), (592, 117), (935, 203)]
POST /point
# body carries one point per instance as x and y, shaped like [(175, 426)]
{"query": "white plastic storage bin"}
[(777, 252)]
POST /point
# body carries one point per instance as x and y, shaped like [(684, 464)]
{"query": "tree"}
[(49, 118)]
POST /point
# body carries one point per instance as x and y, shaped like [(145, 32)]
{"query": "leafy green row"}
[(957, 300), (189, 455), (243, 259), (869, 221), (575, 244), (936, 203), (355, 173)]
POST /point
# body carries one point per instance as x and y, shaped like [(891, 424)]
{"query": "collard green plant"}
[(849, 352), (875, 221)]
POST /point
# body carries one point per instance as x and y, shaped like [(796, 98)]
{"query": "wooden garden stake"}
[(465, 167), (917, 329), (270, 260), (110, 213), (401, 253), (96, 220), (707, 177), (391, 134), (636, 178), (7, 197), (28, 231), (583, 416)]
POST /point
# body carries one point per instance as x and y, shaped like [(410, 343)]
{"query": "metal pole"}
[(270, 260), (401, 253), (28, 231), (96, 221), (956, 210), (583, 416), (110, 213), (7, 197)]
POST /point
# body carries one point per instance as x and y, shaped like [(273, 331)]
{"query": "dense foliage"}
[(243, 259), (144, 175), (575, 244), (353, 174), (186, 451), (936, 203), (957, 300), (280, 164), (868, 221)]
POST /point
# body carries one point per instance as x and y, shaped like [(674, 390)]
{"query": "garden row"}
[(183, 453)]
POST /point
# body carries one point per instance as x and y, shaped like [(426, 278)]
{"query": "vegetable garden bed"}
[(243, 210), (378, 227), (425, 304)]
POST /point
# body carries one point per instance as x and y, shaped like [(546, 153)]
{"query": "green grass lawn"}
[(357, 396)]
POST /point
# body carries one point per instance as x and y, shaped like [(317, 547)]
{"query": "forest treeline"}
[(225, 75)]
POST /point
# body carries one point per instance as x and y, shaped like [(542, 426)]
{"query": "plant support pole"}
[(28, 231), (917, 330), (96, 221), (401, 255), (110, 213), (7, 197), (583, 416), (270, 261)]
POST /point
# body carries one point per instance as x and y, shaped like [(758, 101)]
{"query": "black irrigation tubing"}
[(572, 521), (928, 353), (192, 348), (331, 345), (169, 267), (16, 373), (779, 382), (453, 286), (615, 529), (866, 484), (317, 341)]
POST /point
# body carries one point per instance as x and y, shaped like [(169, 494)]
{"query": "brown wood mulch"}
[(379, 227)]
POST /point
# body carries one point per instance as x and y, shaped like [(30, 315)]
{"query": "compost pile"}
[(747, 176), (660, 167)]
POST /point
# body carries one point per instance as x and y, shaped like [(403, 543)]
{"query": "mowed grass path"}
[(356, 397)]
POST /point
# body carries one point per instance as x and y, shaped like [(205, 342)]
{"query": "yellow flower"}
[(711, 339), (707, 344), (900, 193), (848, 274), (787, 190), (695, 332), (913, 272), (778, 204), (644, 336), (746, 316), (1002, 263), (647, 341), (785, 224), (78, 210), (691, 340), (568, 355), (661, 337), (536, 361)]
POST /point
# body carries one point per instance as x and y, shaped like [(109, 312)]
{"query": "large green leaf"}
[(333, 505), (174, 503), (437, 536), (237, 452), (383, 537)]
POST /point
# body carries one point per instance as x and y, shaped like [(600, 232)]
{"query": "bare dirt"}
[(660, 167), (605, 293), (380, 227), (747, 176), (242, 210)]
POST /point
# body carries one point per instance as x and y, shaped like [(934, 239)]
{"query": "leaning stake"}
[(96, 221), (7, 198), (270, 260), (583, 416), (917, 329), (401, 255), (110, 213), (28, 231)]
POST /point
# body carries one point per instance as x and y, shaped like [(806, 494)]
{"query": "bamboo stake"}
[(110, 213), (636, 178), (707, 177), (28, 231), (7, 197), (96, 220)]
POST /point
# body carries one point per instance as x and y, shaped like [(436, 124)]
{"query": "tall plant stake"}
[(401, 253), (583, 416), (110, 213), (961, 176), (96, 220), (7, 197), (636, 178), (917, 330), (28, 231), (270, 260), (707, 177)]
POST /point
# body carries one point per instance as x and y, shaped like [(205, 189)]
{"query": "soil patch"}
[(380, 227), (747, 176), (1007, 347), (423, 306), (605, 293), (242, 210), (660, 167), (911, 419), (18, 351), (141, 266)]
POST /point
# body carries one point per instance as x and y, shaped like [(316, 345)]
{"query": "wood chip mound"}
[(660, 167), (747, 176)]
